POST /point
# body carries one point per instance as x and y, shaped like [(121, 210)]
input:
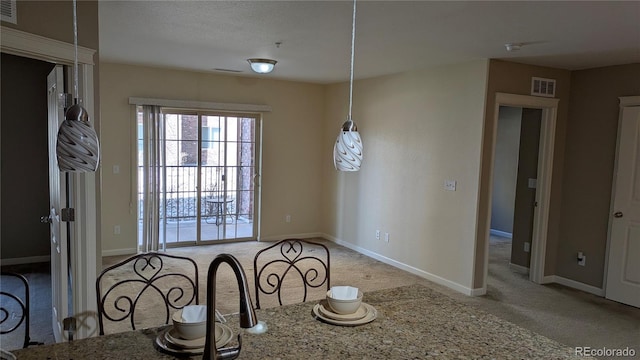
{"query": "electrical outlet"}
[(386, 237), (450, 185), (527, 247), (377, 234), (116, 230), (287, 218), (582, 259)]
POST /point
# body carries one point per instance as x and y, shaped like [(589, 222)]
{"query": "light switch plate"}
[(450, 185), (533, 183)]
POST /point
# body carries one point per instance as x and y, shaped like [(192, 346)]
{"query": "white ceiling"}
[(391, 36)]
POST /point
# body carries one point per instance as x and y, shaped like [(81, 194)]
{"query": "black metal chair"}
[(14, 309), (158, 280), (291, 264)]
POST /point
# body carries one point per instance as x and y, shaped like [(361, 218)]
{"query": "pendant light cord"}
[(353, 44), (75, 63)]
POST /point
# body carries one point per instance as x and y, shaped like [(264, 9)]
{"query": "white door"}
[(623, 276), (57, 194)]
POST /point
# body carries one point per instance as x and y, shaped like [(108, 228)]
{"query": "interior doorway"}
[(514, 186), (549, 107), (25, 244), (83, 252)]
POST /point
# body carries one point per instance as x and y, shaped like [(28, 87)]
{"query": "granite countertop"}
[(413, 322)]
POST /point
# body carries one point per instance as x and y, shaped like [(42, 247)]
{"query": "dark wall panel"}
[(24, 157)]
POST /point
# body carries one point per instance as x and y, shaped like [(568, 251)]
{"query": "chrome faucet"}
[(247, 313)]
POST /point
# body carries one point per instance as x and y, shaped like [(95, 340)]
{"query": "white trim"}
[(519, 268), (291, 236), (84, 252), (629, 101), (478, 292), (545, 167), (573, 284), (423, 274), (501, 233), (187, 104), (25, 260), (33, 46), (119, 252)]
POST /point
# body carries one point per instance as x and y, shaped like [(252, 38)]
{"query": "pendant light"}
[(347, 152), (77, 147)]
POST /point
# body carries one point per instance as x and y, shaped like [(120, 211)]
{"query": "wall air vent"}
[(543, 87), (8, 11)]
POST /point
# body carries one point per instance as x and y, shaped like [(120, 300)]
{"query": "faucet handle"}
[(230, 352)]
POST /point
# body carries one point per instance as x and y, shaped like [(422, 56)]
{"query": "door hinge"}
[(69, 325), (68, 214), (65, 100)]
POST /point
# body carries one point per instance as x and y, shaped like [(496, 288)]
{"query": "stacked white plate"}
[(170, 341), (365, 314)]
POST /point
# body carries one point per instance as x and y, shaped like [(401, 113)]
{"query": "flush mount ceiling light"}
[(347, 152), (262, 66), (77, 148)]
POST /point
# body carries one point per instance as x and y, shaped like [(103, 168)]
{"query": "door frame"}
[(84, 191), (549, 107)]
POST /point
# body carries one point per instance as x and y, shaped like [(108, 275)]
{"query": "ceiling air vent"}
[(8, 11), (543, 87)]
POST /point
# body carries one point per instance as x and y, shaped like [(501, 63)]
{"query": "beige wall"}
[(292, 138), (514, 78), (589, 159), (505, 168), (418, 129)]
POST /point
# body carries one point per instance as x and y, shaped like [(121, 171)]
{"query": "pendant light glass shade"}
[(77, 148), (347, 151)]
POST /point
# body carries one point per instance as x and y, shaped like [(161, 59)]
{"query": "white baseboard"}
[(519, 268), (501, 233), (117, 252), (424, 274), (573, 284), (291, 236), (25, 260), (478, 291)]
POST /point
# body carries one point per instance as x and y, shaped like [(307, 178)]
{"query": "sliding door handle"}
[(618, 214)]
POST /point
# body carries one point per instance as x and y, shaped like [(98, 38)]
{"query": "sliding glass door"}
[(208, 172)]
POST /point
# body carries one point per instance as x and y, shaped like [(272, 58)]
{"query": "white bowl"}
[(344, 307), (188, 330)]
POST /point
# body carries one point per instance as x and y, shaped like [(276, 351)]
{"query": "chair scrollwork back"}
[(144, 285), (14, 304), (291, 263)]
